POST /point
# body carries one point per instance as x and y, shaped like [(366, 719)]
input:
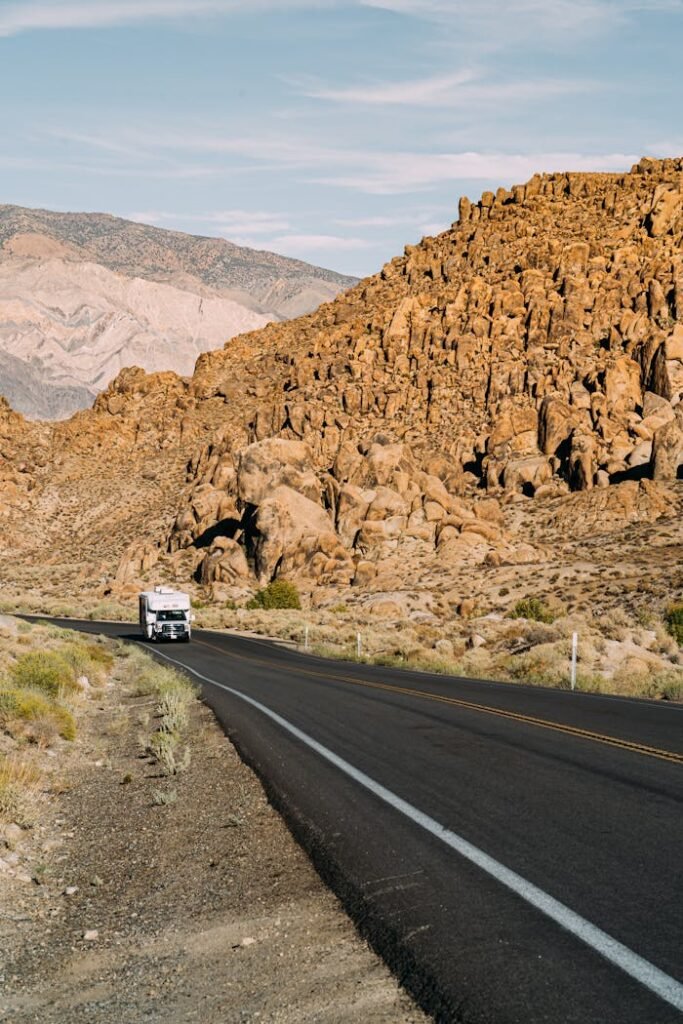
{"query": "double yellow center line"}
[(540, 723)]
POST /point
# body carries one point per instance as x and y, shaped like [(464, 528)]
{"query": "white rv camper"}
[(165, 614)]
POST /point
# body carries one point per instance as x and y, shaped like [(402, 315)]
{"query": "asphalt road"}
[(514, 853)]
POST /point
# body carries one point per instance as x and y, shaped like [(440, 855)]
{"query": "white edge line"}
[(667, 988)]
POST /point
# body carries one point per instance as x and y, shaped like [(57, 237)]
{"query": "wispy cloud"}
[(227, 222), (418, 92), (554, 17), (373, 222), (295, 245), (32, 15), (464, 89), (398, 173), (373, 171), (256, 228), (49, 165), (493, 17)]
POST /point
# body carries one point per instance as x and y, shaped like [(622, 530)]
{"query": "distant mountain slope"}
[(70, 328), (154, 254), (23, 385), (83, 295)]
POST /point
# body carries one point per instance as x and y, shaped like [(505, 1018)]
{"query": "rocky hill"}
[(84, 295), (499, 405)]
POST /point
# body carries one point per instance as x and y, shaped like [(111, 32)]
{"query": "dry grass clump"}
[(19, 790), (147, 678), (85, 608), (173, 696)]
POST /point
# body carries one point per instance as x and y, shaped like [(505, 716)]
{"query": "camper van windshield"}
[(171, 616)]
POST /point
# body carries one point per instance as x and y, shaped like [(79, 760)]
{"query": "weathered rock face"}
[(287, 515), (535, 350)]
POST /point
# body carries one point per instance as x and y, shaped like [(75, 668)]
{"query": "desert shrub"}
[(669, 684), (34, 715), (165, 749), (87, 659), (174, 693), (278, 594), (532, 608), (615, 624), (164, 797), (655, 682), (544, 665), (674, 622), (172, 710), (44, 670)]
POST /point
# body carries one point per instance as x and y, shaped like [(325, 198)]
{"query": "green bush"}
[(532, 608), (278, 594), (674, 622), (44, 670)]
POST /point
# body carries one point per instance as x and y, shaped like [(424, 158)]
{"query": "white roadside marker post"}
[(306, 638), (359, 645), (575, 651)]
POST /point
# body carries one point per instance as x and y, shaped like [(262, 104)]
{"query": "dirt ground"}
[(119, 909)]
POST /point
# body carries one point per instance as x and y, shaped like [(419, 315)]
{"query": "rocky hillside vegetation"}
[(84, 295), (495, 415)]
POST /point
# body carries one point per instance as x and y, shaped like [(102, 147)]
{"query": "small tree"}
[(278, 594)]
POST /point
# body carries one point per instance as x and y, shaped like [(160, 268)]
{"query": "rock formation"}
[(390, 439)]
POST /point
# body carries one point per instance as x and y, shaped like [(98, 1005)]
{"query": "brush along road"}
[(513, 852)]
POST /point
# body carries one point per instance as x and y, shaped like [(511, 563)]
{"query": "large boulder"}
[(667, 448), (525, 476), (138, 558), (225, 562), (667, 208), (267, 465), (352, 508), (294, 535), (667, 366)]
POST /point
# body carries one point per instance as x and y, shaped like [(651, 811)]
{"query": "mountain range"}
[(84, 295)]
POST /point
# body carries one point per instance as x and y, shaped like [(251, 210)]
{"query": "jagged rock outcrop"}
[(534, 351)]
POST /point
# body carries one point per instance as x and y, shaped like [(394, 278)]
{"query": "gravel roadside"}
[(124, 908)]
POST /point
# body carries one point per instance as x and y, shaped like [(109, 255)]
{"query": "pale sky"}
[(335, 131)]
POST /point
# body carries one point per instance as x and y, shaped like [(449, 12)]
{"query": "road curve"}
[(513, 852)]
